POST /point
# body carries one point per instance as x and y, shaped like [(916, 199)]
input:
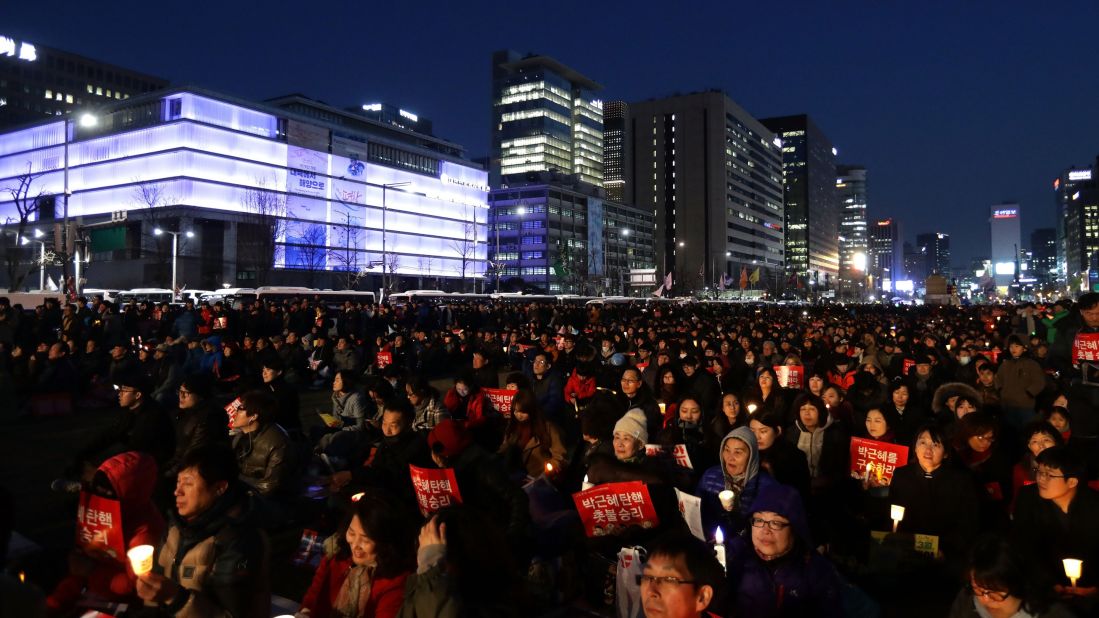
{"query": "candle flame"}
[(22, 577), (719, 537), (751, 408), (357, 497), (549, 467)]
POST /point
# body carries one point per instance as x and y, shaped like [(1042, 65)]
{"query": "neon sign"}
[(1005, 213), (18, 49)]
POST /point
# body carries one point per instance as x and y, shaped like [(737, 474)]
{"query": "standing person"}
[(1020, 381), (548, 386), (215, 559), (365, 573)]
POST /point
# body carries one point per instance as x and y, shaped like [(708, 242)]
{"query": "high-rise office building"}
[(1006, 242), (812, 213), (851, 193), (616, 156), (713, 175), (545, 117), (38, 82), (934, 251), (1043, 255), (1077, 220), (885, 255)]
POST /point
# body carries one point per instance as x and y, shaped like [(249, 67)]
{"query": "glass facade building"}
[(616, 164), (331, 197), (545, 117), (851, 193)]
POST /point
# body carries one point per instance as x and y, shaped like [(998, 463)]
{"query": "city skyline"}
[(946, 109)]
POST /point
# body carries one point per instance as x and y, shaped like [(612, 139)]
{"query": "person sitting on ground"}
[(530, 441), (386, 467), (682, 578), (1000, 583), (267, 459)]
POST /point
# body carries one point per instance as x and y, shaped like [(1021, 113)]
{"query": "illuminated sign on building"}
[(372, 107), (1005, 213), (18, 49), (410, 116), (1079, 175)]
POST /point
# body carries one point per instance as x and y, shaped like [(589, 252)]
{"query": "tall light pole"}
[(521, 211), (175, 249), (38, 234), (87, 121), (385, 258)]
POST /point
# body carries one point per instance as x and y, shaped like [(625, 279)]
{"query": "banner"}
[(435, 488), (383, 360), (790, 376), (678, 453), (610, 507), (501, 399), (99, 526), (881, 457), (1085, 348), (231, 409), (909, 363), (690, 507)]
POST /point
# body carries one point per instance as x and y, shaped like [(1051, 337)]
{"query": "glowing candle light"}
[(1072, 569), (896, 513)]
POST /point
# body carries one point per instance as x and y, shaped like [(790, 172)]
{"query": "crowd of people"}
[(792, 460)]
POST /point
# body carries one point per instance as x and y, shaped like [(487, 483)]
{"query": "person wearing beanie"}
[(776, 567)]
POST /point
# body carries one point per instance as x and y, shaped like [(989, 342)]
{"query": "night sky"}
[(952, 106)]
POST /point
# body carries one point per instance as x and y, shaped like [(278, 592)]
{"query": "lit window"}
[(49, 94), (99, 90), (68, 98), (90, 89)]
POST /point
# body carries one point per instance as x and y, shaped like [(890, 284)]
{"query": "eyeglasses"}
[(988, 437), (184, 393), (992, 595), (772, 524), (541, 362), (1044, 474), (629, 381), (661, 583)]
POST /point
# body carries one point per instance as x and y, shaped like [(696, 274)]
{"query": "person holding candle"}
[(363, 573), (781, 459), (1001, 585), (1055, 519), (530, 441), (938, 497), (738, 470), (766, 394), (775, 572), (977, 442)]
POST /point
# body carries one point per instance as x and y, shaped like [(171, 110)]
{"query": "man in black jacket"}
[(141, 426), (386, 467)]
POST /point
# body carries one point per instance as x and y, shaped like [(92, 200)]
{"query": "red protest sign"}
[(790, 376), (678, 453), (606, 508), (908, 364), (231, 409), (501, 399), (99, 526), (881, 457), (383, 359), (1085, 348), (435, 488)]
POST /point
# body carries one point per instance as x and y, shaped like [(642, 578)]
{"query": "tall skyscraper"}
[(1043, 255), (545, 117), (616, 154), (851, 193), (713, 175), (1006, 242), (934, 247), (886, 254), (809, 194), (1077, 220)]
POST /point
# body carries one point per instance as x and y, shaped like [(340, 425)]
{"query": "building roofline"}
[(555, 65)]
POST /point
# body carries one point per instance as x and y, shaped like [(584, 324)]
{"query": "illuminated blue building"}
[(288, 192)]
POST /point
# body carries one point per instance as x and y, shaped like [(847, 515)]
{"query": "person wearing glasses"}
[(1055, 518), (775, 571), (1000, 585), (682, 578), (634, 393), (197, 421)]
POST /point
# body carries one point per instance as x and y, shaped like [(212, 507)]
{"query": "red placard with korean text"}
[(1085, 348), (790, 376), (435, 488), (99, 526), (610, 507), (882, 457), (383, 359), (677, 452), (501, 399), (909, 363)]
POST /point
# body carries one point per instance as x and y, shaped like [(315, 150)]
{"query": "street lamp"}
[(385, 258), (521, 211), (175, 248), (23, 240), (87, 121)]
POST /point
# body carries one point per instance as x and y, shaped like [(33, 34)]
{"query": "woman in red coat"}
[(364, 576)]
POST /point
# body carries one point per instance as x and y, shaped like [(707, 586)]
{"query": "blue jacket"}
[(716, 480)]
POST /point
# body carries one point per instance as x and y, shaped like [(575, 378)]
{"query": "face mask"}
[(964, 360)]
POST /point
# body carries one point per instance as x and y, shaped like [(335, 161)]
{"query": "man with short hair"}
[(681, 578), (140, 426)]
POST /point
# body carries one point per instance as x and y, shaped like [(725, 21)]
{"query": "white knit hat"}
[(633, 424)]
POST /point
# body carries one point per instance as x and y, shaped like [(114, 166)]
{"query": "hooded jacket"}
[(717, 479), (799, 583), (827, 449)]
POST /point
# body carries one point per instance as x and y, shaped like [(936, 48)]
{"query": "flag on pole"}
[(721, 283), (668, 281), (755, 276), (743, 277), (659, 291)]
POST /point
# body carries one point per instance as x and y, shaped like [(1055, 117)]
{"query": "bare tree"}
[(152, 198), (465, 248), (27, 204), (311, 249), (262, 229), (392, 263), (346, 258)]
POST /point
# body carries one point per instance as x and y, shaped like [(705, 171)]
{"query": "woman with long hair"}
[(530, 441)]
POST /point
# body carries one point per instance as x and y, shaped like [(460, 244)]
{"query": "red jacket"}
[(386, 595), (581, 388), (472, 409)]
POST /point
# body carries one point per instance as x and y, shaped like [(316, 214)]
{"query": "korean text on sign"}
[(605, 509), (383, 359), (435, 488), (501, 399), (790, 376), (99, 526), (877, 459), (1085, 348)]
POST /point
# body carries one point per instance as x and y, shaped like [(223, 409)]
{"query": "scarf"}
[(812, 443), (354, 593)]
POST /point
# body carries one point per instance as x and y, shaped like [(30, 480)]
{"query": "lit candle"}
[(549, 468), (141, 559), (869, 467), (586, 485), (663, 406), (752, 408), (357, 497), (727, 498), (896, 513), (719, 546), (22, 577), (877, 473), (1072, 569)]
